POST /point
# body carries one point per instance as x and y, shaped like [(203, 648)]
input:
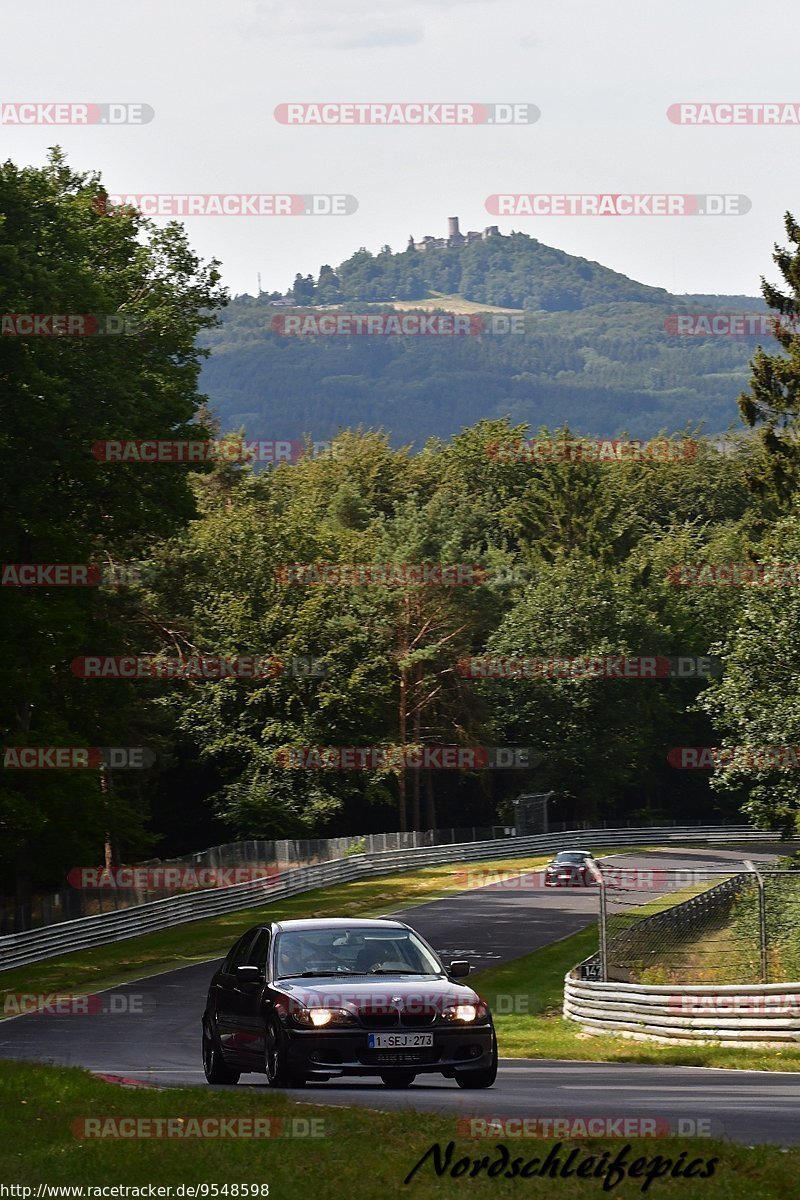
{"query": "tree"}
[(328, 290), (62, 251), (597, 735), (232, 601), (772, 404), (756, 705), (303, 289)]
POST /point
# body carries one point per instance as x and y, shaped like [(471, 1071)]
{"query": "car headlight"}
[(466, 1012), (319, 1018)]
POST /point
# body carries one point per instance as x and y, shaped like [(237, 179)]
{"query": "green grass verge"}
[(363, 1154)]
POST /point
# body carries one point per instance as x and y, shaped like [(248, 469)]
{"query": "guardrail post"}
[(603, 933), (603, 920), (762, 920)]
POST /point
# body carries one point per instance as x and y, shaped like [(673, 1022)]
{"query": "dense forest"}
[(575, 558)]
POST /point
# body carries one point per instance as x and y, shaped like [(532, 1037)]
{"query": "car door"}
[(252, 1023), (229, 1000)]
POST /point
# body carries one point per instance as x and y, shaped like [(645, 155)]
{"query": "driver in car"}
[(292, 959)]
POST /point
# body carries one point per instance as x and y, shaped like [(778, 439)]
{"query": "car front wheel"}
[(213, 1063), (278, 1072), (483, 1078)]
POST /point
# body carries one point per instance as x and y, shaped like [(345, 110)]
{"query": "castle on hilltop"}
[(455, 239)]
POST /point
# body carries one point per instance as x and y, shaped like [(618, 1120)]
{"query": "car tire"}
[(483, 1078), (214, 1067), (398, 1079), (276, 1067)]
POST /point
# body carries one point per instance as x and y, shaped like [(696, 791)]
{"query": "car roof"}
[(309, 923), (576, 852)]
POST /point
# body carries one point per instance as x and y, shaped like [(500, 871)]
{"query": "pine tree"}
[(772, 404)]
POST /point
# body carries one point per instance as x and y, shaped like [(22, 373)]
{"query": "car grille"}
[(391, 1017), (384, 1019), (418, 1019)]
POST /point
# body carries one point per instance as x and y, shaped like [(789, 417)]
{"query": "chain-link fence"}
[(704, 924)]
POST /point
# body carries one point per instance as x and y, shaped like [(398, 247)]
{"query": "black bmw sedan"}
[(320, 999)]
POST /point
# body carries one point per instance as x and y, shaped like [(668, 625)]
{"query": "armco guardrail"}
[(729, 1014), (18, 949)]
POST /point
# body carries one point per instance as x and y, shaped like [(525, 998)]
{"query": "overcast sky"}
[(603, 76)]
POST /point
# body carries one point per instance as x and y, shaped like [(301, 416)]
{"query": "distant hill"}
[(599, 350)]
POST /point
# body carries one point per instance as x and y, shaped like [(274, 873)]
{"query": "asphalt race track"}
[(157, 1037)]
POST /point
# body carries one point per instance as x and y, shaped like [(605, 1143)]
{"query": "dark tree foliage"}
[(772, 404)]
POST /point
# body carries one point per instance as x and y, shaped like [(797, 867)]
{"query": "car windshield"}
[(569, 856), (358, 950)]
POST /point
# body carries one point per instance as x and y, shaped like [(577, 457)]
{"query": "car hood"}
[(355, 993)]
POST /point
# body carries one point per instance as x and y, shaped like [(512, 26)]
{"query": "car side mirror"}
[(459, 968), (248, 973)]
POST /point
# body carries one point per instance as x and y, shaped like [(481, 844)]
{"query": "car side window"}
[(260, 948), (227, 966), (239, 954)]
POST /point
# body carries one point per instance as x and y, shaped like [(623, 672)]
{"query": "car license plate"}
[(398, 1041)]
